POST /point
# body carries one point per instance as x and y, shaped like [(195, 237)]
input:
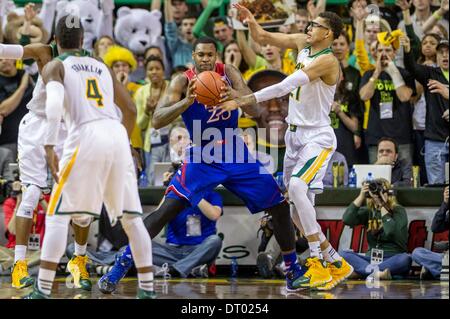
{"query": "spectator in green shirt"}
[(386, 224)]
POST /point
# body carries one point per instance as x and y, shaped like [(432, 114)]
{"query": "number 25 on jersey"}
[(93, 92)]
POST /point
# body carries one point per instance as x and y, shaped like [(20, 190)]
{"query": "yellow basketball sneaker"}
[(317, 274), (77, 268), (339, 270), (20, 276)]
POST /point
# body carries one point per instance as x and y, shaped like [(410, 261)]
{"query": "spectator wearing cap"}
[(122, 62), (180, 42), (389, 90), (435, 81)]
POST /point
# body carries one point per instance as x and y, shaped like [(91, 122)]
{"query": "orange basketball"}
[(207, 88)]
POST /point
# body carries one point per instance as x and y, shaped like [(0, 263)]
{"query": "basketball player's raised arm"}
[(36, 51), (125, 103), (282, 40), (322, 67), (241, 89), (172, 105)]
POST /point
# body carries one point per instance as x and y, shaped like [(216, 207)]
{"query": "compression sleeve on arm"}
[(293, 81), (11, 51), (54, 107)]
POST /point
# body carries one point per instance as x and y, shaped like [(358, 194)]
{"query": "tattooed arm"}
[(172, 105)]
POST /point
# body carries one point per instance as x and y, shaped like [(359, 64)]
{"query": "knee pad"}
[(30, 199), (83, 222)]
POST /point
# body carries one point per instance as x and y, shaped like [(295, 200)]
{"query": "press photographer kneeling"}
[(386, 224)]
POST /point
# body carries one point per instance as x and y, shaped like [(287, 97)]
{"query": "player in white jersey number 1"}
[(96, 161), (310, 140)]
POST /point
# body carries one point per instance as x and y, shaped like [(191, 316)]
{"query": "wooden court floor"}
[(224, 288)]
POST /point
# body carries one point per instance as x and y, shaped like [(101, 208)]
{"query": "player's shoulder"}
[(179, 81), (328, 60)]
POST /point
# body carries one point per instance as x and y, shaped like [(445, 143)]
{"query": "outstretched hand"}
[(244, 14), (29, 11), (227, 106)]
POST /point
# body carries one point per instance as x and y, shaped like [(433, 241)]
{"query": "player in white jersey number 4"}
[(310, 140), (33, 172), (96, 161)]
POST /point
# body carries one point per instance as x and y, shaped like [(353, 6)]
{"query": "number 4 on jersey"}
[(93, 92)]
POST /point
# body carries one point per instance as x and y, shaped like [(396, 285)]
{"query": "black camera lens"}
[(375, 187)]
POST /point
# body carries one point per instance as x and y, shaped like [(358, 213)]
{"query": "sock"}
[(127, 252), (146, 281), (80, 250), (20, 251), (322, 237), (314, 247), (331, 255), (45, 280), (290, 261)]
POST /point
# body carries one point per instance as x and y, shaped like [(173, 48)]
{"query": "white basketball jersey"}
[(89, 91), (37, 102), (310, 105)]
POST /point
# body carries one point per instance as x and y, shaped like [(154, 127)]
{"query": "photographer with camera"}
[(430, 261), (386, 223)]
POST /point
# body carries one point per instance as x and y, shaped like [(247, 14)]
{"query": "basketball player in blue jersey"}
[(210, 163)]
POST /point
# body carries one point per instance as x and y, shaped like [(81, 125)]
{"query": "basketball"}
[(208, 88)]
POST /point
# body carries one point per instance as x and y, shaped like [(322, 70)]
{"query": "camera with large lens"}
[(376, 187)]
